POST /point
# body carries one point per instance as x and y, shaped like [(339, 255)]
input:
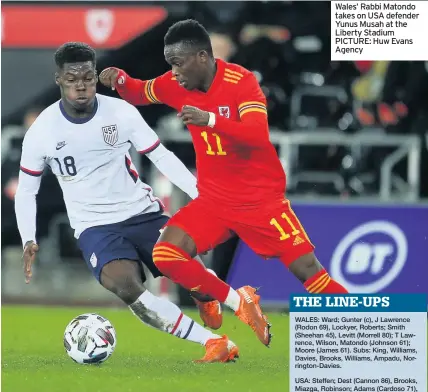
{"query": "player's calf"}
[(123, 277), (314, 277), (173, 257), (197, 296)]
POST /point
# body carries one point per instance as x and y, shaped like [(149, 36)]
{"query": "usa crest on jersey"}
[(110, 134), (224, 111)]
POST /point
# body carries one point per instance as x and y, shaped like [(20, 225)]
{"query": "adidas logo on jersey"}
[(298, 240), (232, 76)]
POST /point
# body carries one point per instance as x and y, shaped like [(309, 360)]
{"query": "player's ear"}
[(57, 78), (203, 56), (96, 76)]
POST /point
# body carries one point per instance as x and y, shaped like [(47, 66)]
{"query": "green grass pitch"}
[(34, 359)]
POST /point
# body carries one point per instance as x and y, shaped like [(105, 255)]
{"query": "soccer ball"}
[(89, 338)]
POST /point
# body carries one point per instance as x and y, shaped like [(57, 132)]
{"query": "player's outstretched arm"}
[(173, 169), (135, 91), (32, 164)]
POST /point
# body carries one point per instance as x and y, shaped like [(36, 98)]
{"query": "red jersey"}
[(237, 165)]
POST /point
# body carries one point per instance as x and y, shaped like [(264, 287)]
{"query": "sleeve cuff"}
[(211, 120)]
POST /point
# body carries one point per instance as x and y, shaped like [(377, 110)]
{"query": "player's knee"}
[(305, 267), (129, 291), (179, 238), (123, 278)]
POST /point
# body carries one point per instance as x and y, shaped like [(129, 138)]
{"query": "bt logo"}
[(370, 257)]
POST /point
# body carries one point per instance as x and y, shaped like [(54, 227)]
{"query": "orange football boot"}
[(219, 350), (210, 313), (250, 313)]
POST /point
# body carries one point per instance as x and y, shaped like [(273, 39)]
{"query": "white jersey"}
[(91, 160)]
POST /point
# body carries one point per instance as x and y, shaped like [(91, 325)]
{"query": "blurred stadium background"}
[(353, 138)]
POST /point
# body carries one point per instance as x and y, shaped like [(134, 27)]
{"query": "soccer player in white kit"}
[(85, 138)]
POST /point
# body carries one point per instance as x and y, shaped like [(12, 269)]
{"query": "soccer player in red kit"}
[(241, 181)]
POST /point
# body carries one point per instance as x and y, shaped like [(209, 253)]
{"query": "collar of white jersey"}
[(75, 120)]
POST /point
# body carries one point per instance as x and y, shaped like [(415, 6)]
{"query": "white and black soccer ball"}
[(89, 338)]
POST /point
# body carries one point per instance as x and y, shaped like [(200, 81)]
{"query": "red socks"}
[(187, 272), (322, 283)]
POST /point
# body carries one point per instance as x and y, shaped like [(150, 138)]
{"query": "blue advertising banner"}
[(367, 248)]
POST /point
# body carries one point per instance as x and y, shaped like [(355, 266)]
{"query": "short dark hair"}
[(191, 33), (74, 52)]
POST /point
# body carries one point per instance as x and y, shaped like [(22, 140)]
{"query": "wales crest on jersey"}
[(110, 134), (224, 111)]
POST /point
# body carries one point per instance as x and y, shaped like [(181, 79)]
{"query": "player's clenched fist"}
[(30, 250), (193, 115), (110, 76)]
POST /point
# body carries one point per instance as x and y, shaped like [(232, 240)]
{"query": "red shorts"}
[(272, 232)]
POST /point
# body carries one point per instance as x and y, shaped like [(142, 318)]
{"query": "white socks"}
[(233, 300), (165, 316)]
